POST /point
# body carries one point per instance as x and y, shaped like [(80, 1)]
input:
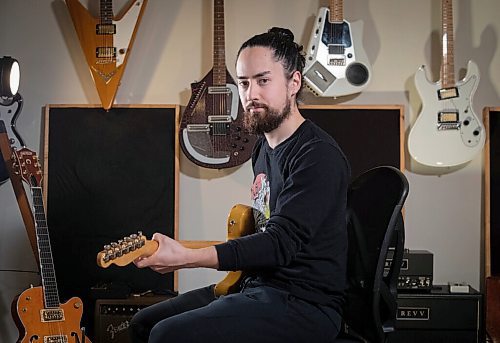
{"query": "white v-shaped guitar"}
[(447, 132)]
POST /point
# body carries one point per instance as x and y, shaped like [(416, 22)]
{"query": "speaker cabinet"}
[(112, 317), (369, 135), (439, 316), (108, 174), (491, 120)]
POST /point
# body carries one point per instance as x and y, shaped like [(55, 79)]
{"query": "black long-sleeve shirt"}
[(302, 247)]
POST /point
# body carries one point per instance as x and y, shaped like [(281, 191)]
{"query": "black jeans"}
[(256, 314)]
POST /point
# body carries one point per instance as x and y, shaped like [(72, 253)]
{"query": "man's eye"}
[(263, 81), (243, 84)]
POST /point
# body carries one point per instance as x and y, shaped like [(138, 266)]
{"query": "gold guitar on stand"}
[(240, 222), (37, 312), (447, 132), (106, 42)]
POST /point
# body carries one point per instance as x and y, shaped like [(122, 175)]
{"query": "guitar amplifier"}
[(416, 271), (112, 317), (439, 316)]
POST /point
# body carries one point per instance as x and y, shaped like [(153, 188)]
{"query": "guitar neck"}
[(106, 11), (199, 244), (447, 72), (47, 269), (219, 59), (336, 11)]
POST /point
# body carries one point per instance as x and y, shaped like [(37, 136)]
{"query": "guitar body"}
[(211, 131), (438, 143), (240, 222), (27, 310), (336, 63), (106, 46)]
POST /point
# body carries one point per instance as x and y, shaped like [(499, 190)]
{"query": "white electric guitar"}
[(447, 132), (336, 63)]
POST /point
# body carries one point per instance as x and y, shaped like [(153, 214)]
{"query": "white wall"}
[(173, 48)]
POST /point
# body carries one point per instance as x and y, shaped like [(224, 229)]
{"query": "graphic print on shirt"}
[(261, 192)]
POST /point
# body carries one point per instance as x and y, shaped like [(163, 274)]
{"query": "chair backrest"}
[(375, 230)]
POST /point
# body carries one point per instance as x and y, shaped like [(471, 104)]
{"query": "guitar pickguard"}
[(336, 63)]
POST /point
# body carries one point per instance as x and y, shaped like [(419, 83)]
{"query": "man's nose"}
[(252, 92)]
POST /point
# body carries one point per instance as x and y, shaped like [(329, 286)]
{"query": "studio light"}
[(9, 76)]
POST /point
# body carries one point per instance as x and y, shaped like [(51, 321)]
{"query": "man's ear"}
[(295, 82)]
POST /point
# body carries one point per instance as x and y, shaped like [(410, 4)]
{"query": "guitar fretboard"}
[(106, 11), (219, 67), (336, 11), (447, 72), (48, 274)]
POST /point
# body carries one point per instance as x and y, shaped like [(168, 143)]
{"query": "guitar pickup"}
[(198, 128), (336, 49), (218, 90), (52, 315), (448, 120), (105, 29), (219, 119), (105, 52), (447, 93)]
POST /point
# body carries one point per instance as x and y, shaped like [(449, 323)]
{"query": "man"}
[(297, 257)]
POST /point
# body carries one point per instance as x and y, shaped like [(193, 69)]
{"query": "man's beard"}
[(268, 120)]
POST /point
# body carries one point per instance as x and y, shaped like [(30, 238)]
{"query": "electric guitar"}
[(447, 132), (106, 42), (9, 112), (336, 63), (38, 313), (240, 222), (211, 130)]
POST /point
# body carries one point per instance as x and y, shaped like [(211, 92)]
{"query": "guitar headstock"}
[(27, 166), (126, 250)]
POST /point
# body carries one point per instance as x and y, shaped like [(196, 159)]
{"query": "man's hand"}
[(172, 255)]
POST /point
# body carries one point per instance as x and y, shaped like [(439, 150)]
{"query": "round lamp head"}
[(9, 76)]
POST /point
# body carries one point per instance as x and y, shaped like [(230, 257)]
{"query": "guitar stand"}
[(17, 184)]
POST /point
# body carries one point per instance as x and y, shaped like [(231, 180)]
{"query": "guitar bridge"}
[(448, 120)]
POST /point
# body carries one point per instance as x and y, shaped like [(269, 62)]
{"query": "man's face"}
[(263, 88)]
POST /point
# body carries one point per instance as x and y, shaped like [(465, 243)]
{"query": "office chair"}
[(375, 235)]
